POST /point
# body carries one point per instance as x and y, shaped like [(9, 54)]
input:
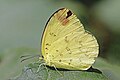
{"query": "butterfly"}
[(66, 44)]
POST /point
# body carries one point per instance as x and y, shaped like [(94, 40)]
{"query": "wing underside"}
[(66, 44)]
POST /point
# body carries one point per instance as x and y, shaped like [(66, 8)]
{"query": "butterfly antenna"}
[(26, 57)]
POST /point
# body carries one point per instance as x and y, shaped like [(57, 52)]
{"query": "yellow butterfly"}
[(66, 44)]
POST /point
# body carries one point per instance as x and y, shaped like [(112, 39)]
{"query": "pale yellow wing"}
[(77, 53), (65, 43), (58, 26)]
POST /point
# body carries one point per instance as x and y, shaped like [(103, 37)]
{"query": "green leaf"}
[(45, 73)]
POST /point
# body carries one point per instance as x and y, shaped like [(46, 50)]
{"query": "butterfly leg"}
[(40, 66), (57, 70)]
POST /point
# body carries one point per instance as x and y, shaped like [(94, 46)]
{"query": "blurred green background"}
[(22, 23)]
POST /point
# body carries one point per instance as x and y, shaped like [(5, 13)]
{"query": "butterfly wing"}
[(65, 43)]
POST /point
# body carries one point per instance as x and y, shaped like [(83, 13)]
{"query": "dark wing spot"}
[(61, 54), (70, 60), (46, 48), (69, 13), (69, 63), (47, 44), (51, 33), (54, 34), (68, 49), (52, 56), (56, 50), (66, 40), (59, 60)]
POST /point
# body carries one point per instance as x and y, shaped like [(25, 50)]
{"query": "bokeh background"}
[(22, 23)]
